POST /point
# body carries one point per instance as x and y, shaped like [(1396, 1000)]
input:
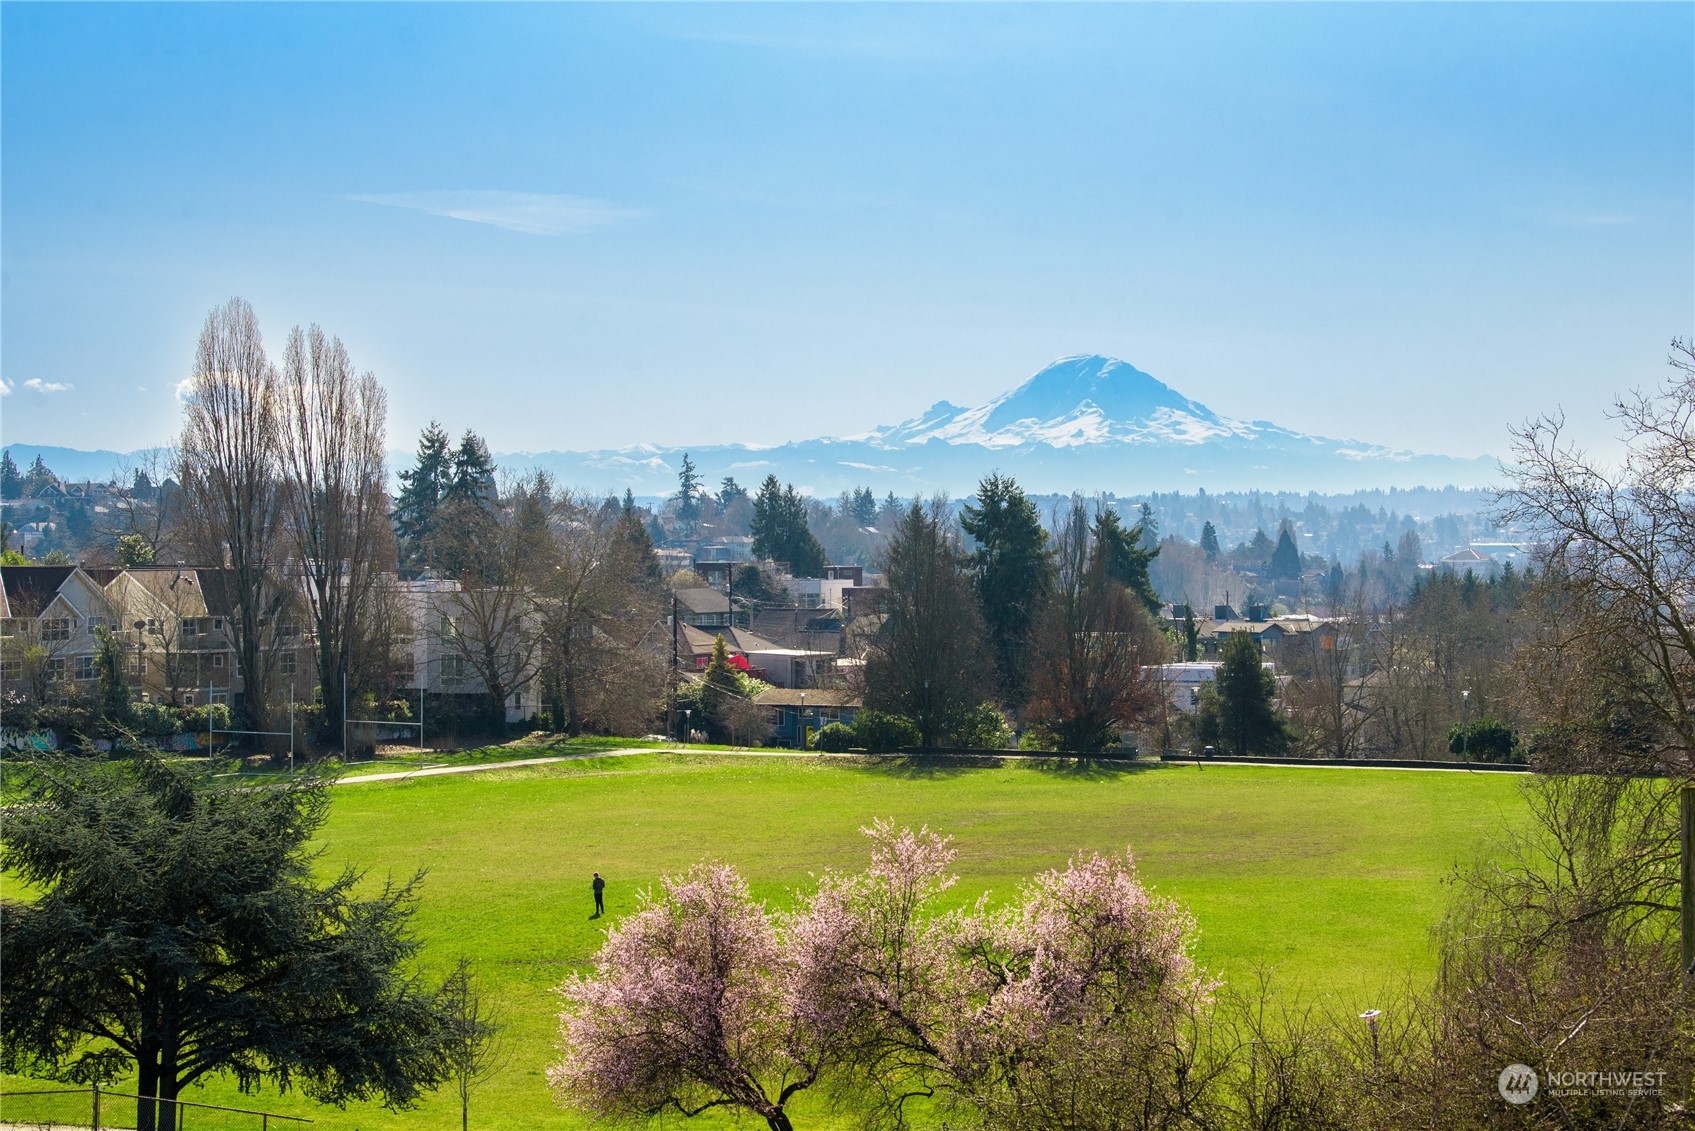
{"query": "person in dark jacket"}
[(599, 896)]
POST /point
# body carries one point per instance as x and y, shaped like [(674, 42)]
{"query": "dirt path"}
[(435, 771)]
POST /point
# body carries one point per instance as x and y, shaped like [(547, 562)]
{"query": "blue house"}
[(797, 713)]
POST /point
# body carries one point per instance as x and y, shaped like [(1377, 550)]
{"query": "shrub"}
[(156, 720), (835, 738), (882, 733), (982, 727), (194, 718), (1486, 740)]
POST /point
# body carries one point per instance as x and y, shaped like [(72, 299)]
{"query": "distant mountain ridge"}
[(1084, 423)]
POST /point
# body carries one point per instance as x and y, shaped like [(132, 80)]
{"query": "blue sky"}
[(583, 226)]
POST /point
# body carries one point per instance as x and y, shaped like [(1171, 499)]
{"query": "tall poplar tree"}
[(229, 465)]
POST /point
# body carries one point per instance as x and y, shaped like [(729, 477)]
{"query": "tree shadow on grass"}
[(948, 764)]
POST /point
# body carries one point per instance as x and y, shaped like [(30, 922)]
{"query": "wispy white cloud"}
[(5, 387), (185, 389), (533, 213), (44, 387)]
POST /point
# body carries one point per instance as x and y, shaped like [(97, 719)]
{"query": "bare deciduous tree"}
[(595, 605), (228, 464), (332, 433), (1326, 695), (491, 625), (1093, 642), (1622, 545), (927, 662), (472, 1046)]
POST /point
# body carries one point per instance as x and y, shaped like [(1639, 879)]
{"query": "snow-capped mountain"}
[(1085, 423), (1086, 399)]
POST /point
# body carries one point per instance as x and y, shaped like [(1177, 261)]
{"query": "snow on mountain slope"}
[(1087, 399)]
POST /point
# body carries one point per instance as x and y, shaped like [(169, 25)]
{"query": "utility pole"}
[(671, 693)]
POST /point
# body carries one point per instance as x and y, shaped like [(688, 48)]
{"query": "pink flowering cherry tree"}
[(1076, 1006), (691, 1006)]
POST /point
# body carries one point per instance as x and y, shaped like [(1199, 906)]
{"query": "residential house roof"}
[(30, 589), (810, 697), (700, 641), (702, 601)]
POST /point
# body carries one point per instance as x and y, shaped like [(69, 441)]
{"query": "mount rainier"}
[(1086, 423)]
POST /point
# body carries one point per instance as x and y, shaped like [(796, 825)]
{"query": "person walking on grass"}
[(599, 896)]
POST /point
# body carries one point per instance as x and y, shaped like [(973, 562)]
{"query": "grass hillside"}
[(1330, 877)]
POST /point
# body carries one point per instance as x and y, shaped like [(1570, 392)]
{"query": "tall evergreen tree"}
[(472, 477), (688, 495), (38, 476), (422, 487), (862, 506), (780, 531), (11, 483), (1149, 526), (1209, 540), (1239, 711), (1126, 561), (632, 533), (925, 664), (1012, 571), (729, 491), (1286, 558)]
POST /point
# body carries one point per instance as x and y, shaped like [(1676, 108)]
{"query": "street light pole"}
[(1465, 725)]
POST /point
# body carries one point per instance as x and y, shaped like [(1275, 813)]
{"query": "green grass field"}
[(1330, 877)]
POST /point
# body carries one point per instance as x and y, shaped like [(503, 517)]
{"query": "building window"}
[(288, 626), (190, 627), (55, 667), (56, 628), (285, 665), (8, 627), (453, 667), (85, 667), (11, 669), (218, 659)]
